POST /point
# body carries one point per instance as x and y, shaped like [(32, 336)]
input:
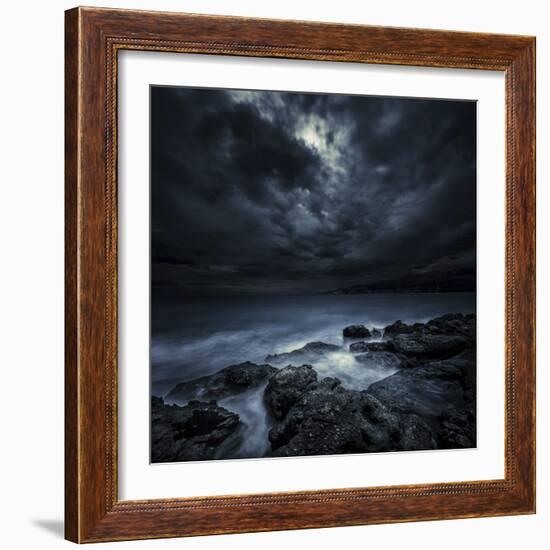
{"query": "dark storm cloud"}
[(278, 193)]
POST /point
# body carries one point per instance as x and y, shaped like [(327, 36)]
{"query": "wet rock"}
[(440, 338), (309, 353), (441, 393), (380, 359), (415, 433), (357, 331), (286, 387), (426, 345), (399, 327), (364, 347), (430, 389), (229, 381), (455, 324), (328, 419), (458, 429), (376, 333), (194, 432)]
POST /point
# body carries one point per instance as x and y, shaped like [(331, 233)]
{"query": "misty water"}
[(197, 337)]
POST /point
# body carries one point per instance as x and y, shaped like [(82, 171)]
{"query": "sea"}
[(196, 337)]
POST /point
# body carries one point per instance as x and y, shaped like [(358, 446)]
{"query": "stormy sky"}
[(280, 193)]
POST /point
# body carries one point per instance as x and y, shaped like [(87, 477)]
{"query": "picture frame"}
[(94, 37)]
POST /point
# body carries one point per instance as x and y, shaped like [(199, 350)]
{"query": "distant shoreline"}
[(351, 291), (336, 292)]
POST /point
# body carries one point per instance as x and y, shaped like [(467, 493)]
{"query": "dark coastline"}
[(427, 402)]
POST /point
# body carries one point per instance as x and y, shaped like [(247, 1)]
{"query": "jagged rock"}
[(455, 323), (458, 429), (399, 327), (364, 347), (194, 432), (358, 347), (328, 419), (231, 380), (357, 331), (286, 387), (439, 338), (430, 389), (376, 333), (416, 435), (308, 353), (419, 344), (380, 359)]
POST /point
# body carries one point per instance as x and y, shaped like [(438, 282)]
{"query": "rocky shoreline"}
[(429, 402)]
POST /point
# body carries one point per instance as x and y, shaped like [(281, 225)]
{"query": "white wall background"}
[(31, 277)]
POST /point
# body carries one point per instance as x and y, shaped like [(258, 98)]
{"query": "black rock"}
[(358, 347), (430, 389), (441, 393), (376, 333), (455, 324), (451, 323), (380, 359), (328, 419), (458, 429), (194, 432), (439, 338), (428, 346), (415, 433), (308, 353), (364, 347), (399, 327), (229, 381), (357, 331), (286, 387)]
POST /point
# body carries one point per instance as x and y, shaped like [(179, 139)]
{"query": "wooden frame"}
[(93, 38)]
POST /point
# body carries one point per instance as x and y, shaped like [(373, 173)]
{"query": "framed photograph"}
[(300, 275)]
